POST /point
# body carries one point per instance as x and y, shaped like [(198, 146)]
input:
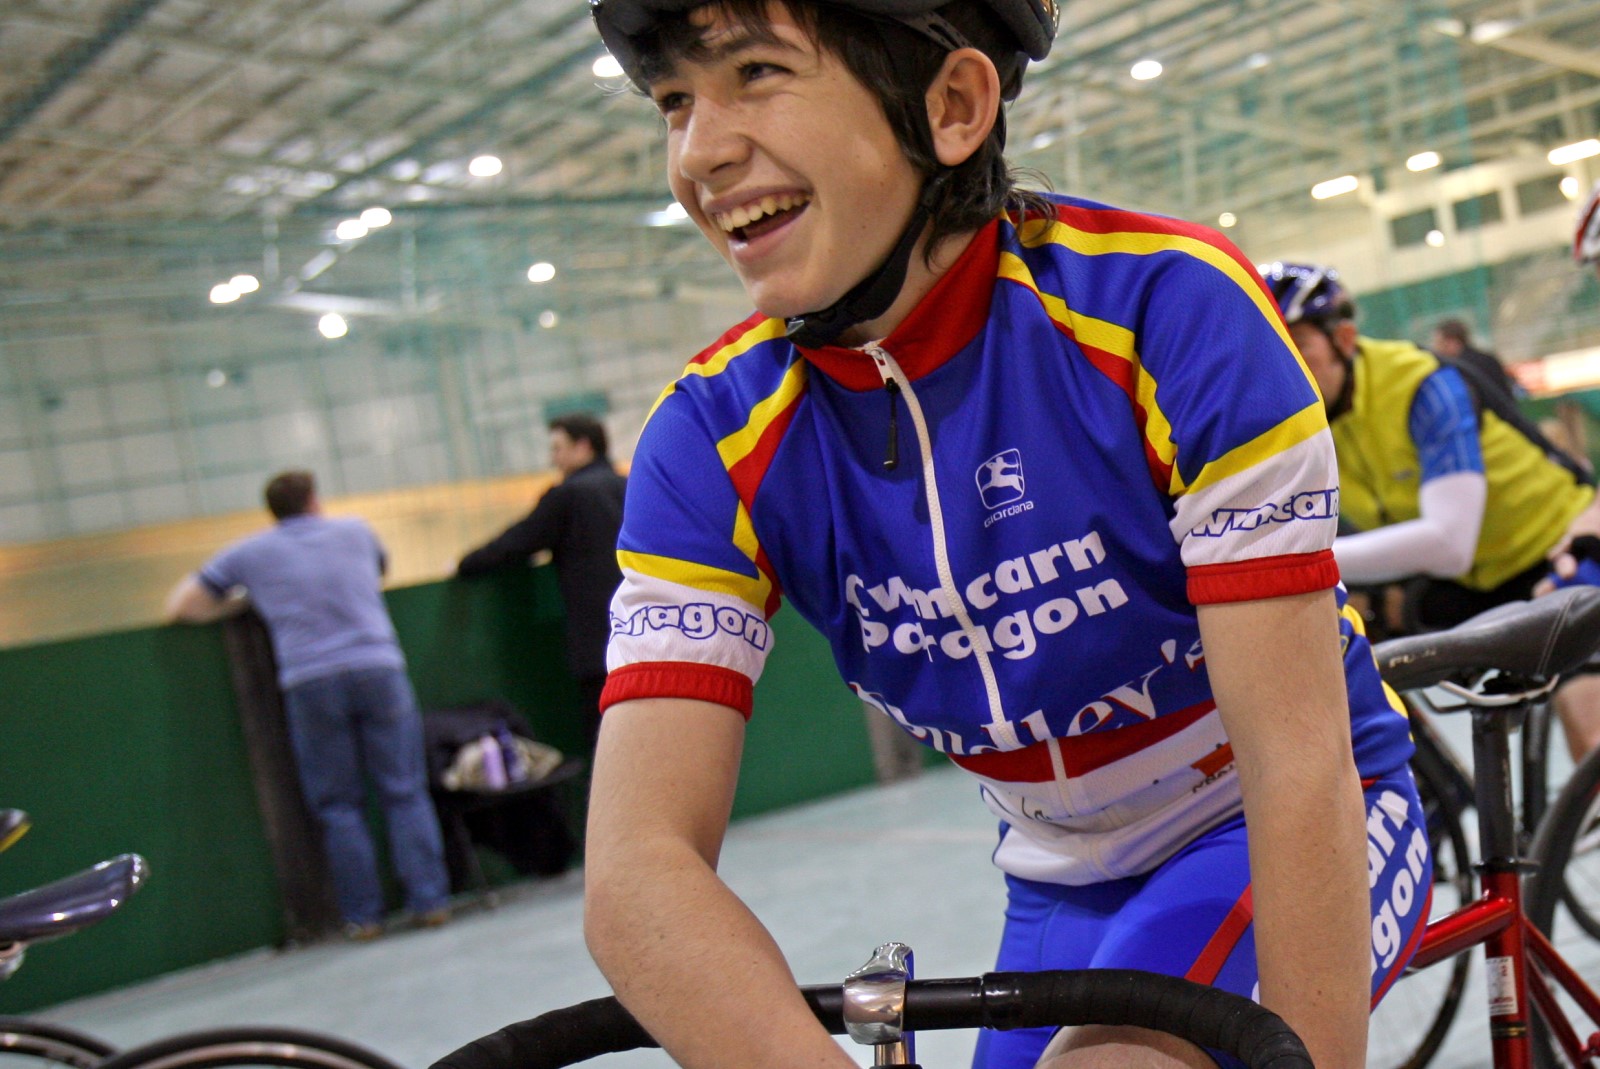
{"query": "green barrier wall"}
[(130, 742)]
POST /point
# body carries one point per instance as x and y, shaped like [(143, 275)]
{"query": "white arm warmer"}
[(1441, 542)]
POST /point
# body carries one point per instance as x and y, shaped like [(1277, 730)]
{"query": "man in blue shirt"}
[(317, 583)]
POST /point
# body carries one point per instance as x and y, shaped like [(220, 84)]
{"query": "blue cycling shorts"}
[(1192, 916)]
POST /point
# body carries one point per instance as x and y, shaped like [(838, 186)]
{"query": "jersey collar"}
[(942, 324)]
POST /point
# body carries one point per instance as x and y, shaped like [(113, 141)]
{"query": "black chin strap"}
[(872, 296)]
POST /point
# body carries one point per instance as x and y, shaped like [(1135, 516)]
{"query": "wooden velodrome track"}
[(110, 582)]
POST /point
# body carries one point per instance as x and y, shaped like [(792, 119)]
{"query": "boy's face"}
[(784, 161)]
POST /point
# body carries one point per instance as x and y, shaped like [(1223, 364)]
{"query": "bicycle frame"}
[(1496, 919)]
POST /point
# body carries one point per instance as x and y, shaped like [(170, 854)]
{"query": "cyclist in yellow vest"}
[(1439, 478)]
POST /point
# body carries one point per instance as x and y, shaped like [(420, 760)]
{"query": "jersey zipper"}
[(897, 385)]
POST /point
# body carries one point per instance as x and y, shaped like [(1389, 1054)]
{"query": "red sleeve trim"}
[(680, 679), (1268, 577)]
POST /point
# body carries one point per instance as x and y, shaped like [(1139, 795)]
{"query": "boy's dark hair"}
[(582, 427), (896, 65), (289, 493)]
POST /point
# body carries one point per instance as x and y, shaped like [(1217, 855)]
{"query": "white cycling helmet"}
[(1586, 240)]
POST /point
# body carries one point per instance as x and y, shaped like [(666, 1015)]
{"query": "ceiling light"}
[(350, 230), (245, 283), (607, 67), (1422, 161), (548, 319), (485, 166), (223, 293), (1334, 187), (1571, 187), (216, 378), (672, 215), (1227, 219), (332, 326), (1256, 60), (541, 272), (1145, 69), (1578, 150), (1044, 140), (1434, 238), (1491, 30), (373, 218)]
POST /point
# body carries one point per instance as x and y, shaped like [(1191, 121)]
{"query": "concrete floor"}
[(831, 880)]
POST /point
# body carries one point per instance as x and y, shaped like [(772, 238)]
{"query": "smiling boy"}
[(995, 445)]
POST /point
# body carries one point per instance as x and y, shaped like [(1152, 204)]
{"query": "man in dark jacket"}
[(1452, 340), (577, 521)]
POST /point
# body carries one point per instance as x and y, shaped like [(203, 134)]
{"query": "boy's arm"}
[(1277, 673), (682, 952)]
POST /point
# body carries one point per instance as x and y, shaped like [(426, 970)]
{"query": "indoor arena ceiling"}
[(149, 145)]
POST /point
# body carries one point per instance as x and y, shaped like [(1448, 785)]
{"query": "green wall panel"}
[(130, 742), (497, 636), (808, 735)]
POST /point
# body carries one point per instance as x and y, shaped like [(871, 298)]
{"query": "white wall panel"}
[(105, 511), (150, 455), (138, 402), (16, 475), (87, 464)]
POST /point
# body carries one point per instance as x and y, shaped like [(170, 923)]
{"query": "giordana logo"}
[(1000, 479)]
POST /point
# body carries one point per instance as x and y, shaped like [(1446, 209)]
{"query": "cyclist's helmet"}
[(1586, 240), (1308, 293), (1032, 22)]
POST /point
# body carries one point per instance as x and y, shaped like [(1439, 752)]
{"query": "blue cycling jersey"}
[(1100, 423)]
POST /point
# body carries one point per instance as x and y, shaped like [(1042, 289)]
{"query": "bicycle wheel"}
[(1582, 901), (1567, 853), (25, 1040), (1566, 859), (243, 1047), (1410, 1023)]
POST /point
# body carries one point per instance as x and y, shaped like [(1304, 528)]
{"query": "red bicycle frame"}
[(1497, 921)]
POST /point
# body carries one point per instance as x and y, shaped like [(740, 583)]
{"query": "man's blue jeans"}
[(366, 721)]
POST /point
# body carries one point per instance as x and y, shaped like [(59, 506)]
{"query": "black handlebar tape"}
[(560, 1037), (1205, 1016), (590, 1029)]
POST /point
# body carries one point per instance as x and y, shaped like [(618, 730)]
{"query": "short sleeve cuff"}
[(212, 587), (1267, 577), (680, 679)]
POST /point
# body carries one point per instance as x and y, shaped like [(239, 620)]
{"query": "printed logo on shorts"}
[(1000, 479)]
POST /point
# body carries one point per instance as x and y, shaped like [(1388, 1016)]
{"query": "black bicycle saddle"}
[(1535, 639), (75, 902)]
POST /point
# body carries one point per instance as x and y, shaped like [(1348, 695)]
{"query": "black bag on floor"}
[(522, 822)]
